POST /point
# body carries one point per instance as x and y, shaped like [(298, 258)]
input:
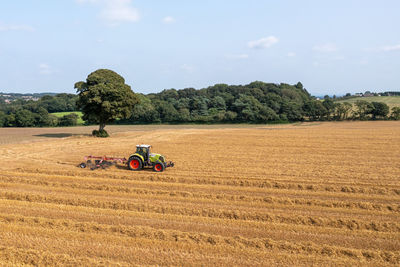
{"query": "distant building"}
[(29, 97)]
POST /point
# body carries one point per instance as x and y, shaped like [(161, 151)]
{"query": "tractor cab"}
[(143, 158), (144, 151)]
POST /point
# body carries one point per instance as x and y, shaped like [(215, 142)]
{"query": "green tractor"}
[(143, 158)]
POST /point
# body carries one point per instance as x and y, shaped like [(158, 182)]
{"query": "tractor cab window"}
[(142, 151)]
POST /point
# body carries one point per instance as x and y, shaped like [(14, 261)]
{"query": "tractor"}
[(143, 158)]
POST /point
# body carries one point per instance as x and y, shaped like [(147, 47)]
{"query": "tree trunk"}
[(102, 126)]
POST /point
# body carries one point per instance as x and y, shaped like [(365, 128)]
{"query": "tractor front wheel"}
[(135, 164), (158, 167)]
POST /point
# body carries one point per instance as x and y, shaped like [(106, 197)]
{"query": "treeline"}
[(390, 93), (257, 102), (22, 113), (361, 110)]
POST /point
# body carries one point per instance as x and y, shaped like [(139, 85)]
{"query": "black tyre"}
[(158, 167), (82, 165), (135, 164)]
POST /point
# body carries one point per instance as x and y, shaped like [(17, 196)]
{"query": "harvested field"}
[(303, 194), (27, 135)]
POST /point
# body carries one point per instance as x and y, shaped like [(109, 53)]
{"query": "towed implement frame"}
[(96, 162)]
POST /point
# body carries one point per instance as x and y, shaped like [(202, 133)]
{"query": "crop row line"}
[(220, 197), (210, 212), (245, 183), (199, 239)]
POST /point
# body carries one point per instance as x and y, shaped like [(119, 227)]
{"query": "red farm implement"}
[(95, 162)]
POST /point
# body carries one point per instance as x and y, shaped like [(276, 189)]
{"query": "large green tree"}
[(395, 113), (24, 118), (105, 97), (314, 109), (363, 108), (342, 110), (2, 118), (329, 106), (69, 120), (379, 109)]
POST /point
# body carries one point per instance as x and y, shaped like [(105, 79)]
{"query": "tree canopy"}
[(105, 97), (257, 102), (379, 109)]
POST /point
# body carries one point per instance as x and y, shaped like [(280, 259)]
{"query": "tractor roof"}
[(146, 146)]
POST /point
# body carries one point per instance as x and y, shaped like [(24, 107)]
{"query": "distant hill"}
[(33, 94), (10, 97), (391, 101)]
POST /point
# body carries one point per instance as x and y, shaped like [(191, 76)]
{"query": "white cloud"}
[(115, 12), (45, 69), (168, 20), (237, 56), (263, 42), (389, 48), (16, 27), (325, 48), (291, 54)]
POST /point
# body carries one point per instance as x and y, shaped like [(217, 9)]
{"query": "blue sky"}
[(332, 47)]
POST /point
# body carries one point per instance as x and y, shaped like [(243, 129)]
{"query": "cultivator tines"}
[(170, 164), (94, 162)]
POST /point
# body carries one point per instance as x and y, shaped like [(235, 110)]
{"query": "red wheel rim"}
[(158, 167), (134, 164)]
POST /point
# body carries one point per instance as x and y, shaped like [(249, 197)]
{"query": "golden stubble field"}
[(305, 194)]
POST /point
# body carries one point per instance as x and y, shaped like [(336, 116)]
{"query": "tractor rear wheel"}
[(135, 164), (158, 167)]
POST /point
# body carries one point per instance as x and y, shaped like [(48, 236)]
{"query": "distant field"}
[(391, 101), (60, 114), (12, 135), (307, 194)]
